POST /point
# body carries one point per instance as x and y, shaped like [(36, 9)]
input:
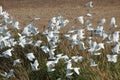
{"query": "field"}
[(25, 10)]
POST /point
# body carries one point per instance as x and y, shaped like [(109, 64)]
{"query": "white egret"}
[(71, 30), (89, 4), (69, 65), (67, 36), (30, 56), (116, 36), (16, 62), (50, 65), (81, 19), (15, 24), (69, 73), (92, 63), (76, 70), (51, 53), (64, 22), (45, 49), (99, 30), (51, 26), (102, 22), (53, 20), (77, 58), (9, 74), (38, 43), (89, 15), (113, 23), (116, 49), (81, 45), (1, 10), (112, 58), (35, 65), (7, 53), (107, 37), (89, 27), (80, 34)]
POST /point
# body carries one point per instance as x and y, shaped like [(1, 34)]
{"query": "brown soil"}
[(25, 10)]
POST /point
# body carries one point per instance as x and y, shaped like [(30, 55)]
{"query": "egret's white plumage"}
[(81, 19), (16, 62), (102, 22), (1, 10), (7, 53), (45, 49), (76, 70), (92, 63), (113, 23), (30, 56), (112, 58), (35, 65), (116, 36), (89, 4), (9, 74)]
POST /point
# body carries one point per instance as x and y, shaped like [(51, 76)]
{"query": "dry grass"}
[(24, 11)]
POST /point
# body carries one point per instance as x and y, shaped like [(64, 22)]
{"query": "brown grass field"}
[(24, 10)]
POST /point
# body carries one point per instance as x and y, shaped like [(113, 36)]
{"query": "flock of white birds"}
[(75, 36)]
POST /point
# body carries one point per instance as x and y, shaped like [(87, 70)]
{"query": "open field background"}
[(25, 10)]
